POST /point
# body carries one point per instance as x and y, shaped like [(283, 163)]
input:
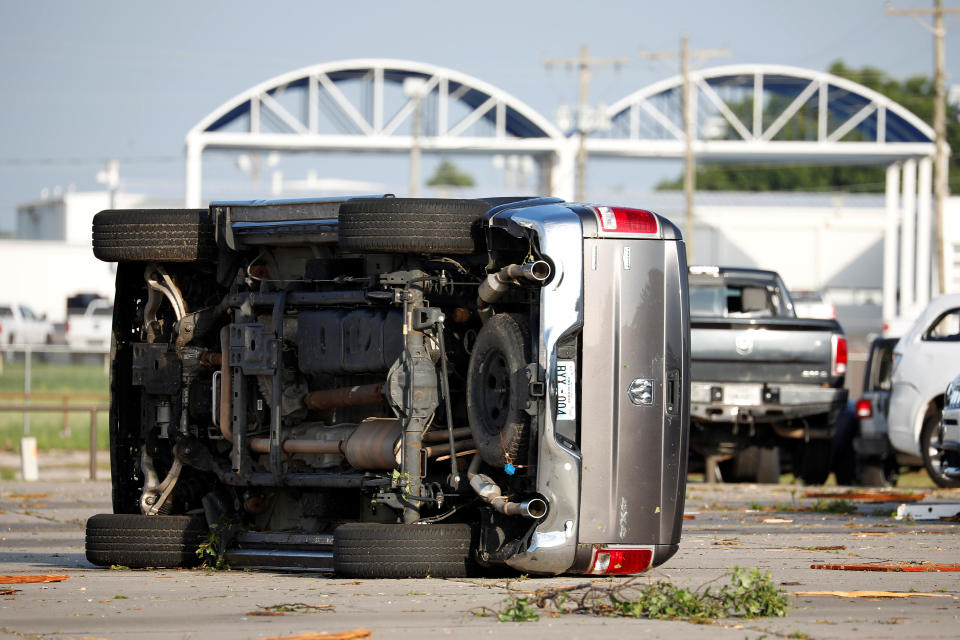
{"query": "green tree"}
[(448, 175), (916, 93)]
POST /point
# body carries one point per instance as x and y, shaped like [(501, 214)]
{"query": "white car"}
[(925, 361), (20, 325)]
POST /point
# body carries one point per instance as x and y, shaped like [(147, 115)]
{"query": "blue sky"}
[(87, 81)]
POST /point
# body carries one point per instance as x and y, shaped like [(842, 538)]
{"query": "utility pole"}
[(111, 178), (583, 64), (689, 117), (415, 89), (941, 162)]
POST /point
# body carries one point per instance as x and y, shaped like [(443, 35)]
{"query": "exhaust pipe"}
[(496, 284), (489, 491)]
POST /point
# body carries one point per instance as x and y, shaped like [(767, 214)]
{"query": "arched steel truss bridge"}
[(742, 113)]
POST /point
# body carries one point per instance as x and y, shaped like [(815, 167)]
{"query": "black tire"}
[(148, 235), (498, 390), (139, 541), (812, 461), (930, 441), (872, 474), (374, 550), (753, 464), (411, 225), (843, 457)]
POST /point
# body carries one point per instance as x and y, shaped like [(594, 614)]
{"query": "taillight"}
[(623, 220), (839, 357), (611, 561), (864, 408), (66, 327)]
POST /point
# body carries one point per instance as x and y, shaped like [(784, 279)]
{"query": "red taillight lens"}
[(622, 220), (839, 355), (66, 328), (864, 408), (609, 562)]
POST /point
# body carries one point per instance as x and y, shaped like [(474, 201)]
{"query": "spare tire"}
[(411, 225), (153, 235), (375, 550), (139, 541), (498, 389)]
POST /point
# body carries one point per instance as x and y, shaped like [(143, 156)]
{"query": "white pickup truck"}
[(90, 329), (20, 325)]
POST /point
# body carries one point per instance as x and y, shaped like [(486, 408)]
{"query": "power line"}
[(27, 162)]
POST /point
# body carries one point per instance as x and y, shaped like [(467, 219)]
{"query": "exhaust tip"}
[(534, 508), (538, 270)]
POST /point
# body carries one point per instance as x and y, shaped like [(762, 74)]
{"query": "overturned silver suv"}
[(394, 387)]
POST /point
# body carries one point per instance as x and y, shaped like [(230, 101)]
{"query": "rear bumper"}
[(776, 402)]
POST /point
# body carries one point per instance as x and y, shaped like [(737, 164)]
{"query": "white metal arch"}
[(854, 125), (889, 132), (466, 115)]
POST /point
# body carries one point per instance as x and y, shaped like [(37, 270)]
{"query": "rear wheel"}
[(873, 475), (753, 464), (411, 225), (931, 449), (148, 235), (374, 550), (812, 461), (139, 541)]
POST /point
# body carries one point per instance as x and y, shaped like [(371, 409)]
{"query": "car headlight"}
[(953, 395)]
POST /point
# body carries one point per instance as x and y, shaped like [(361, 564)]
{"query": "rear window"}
[(736, 300), (103, 311)]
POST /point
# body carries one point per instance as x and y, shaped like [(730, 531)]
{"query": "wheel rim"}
[(496, 391), (935, 452)]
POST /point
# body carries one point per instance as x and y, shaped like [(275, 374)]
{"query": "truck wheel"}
[(930, 442), (753, 464), (812, 462), (872, 475), (411, 225), (147, 235), (374, 550), (498, 390), (139, 541)]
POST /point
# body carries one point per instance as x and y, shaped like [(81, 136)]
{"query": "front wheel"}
[(931, 441), (139, 541)]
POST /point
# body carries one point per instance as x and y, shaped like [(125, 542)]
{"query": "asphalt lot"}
[(41, 532)]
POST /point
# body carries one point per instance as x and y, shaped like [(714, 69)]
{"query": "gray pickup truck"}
[(396, 387), (762, 378)]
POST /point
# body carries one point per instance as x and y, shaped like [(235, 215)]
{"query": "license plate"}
[(742, 394), (566, 390)]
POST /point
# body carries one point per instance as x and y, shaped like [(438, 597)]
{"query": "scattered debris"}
[(937, 511), (689, 516), (750, 594), (32, 579), (776, 520), (872, 534), (291, 607), (829, 547), (730, 543), (874, 594), (28, 496), (837, 505), (889, 566), (355, 634), (9, 592), (867, 496)]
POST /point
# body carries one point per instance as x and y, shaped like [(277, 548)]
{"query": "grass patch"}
[(50, 383)]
